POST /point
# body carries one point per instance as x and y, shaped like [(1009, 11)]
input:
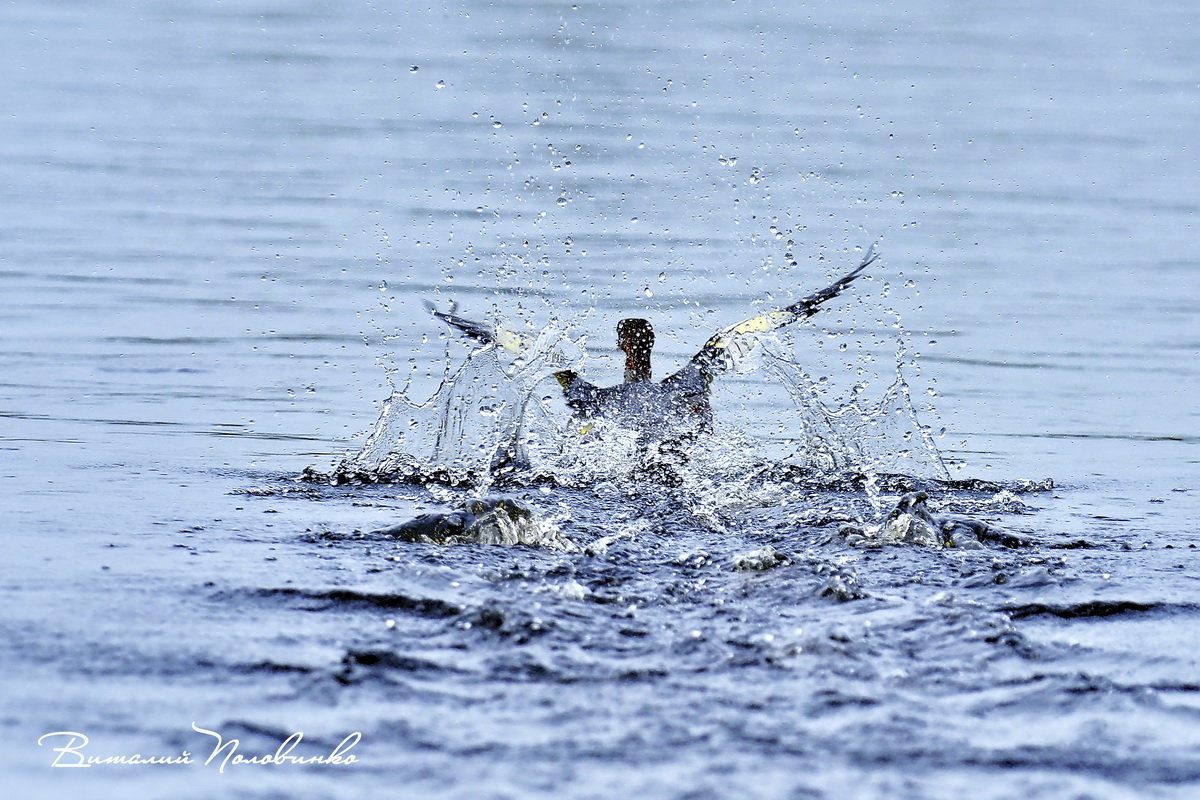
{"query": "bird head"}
[(635, 338)]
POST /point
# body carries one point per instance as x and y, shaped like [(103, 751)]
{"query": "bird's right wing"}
[(725, 349), (483, 332)]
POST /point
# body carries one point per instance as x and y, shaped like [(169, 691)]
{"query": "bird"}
[(678, 403)]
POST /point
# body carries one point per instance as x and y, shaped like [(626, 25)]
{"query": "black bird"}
[(679, 402)]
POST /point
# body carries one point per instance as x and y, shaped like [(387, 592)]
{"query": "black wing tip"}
[(868, 259), (810, 305), (476, 330), (433, 309)]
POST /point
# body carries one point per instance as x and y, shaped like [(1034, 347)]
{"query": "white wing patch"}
[(511, 341)]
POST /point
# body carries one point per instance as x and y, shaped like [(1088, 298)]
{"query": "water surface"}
[(222, 218)]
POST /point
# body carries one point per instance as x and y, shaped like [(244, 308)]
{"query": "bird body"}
[(680, 401)]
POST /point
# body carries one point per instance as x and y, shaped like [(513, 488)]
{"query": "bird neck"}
[(637, 366)]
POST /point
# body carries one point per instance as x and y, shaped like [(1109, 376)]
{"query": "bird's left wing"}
[(725, 349)]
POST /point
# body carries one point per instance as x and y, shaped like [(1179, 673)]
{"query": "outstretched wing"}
[(724, 349), (483, 332)]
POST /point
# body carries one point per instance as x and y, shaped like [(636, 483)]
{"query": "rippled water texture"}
[(221, 220)]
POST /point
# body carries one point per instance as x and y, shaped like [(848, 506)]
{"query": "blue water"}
[(221, 220)]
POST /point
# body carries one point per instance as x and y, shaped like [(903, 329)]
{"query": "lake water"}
[(221, 220)]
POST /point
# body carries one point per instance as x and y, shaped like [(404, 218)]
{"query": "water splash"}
[(496, 418), (867, 436), (487, 418)]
